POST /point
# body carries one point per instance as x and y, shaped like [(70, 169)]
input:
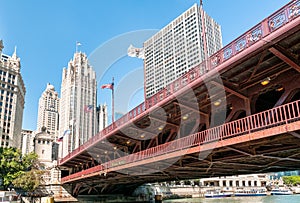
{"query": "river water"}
[(264, 199)]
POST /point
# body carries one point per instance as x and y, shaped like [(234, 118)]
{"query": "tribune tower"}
[(77, 118)]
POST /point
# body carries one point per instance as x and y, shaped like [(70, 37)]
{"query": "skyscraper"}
[(48, 110), (12, 95), (102, 117), (77, 104), (178, 47)]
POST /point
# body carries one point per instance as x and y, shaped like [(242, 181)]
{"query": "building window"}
[(43, 151)]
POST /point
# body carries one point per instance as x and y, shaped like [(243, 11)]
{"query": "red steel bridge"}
[(238, 112)]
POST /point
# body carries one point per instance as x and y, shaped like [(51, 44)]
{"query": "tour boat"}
[(250, 192), (281, 192), (217, 194)]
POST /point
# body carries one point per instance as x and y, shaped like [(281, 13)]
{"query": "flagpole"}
[(77, 44), (111, 87), (113, 102)]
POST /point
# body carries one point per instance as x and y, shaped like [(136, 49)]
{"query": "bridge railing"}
[(263, 120), (278, 19), (267, 119)]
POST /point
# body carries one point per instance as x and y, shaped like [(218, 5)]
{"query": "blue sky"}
[(45, 33)]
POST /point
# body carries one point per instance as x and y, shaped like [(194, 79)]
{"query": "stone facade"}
[(48, 110), (12, 95), (77, 104)]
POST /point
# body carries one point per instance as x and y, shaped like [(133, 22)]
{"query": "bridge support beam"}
[(287, 58)]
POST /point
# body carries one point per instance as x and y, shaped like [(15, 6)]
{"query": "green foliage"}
[(291, 180), (29, 180), (13, 164), (30, 161)]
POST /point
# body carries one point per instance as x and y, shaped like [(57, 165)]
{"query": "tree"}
[(13, 164), (291, 180), (29, 180)]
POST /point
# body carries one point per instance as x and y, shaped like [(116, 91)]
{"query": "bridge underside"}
[(263, 76), (271, 152)]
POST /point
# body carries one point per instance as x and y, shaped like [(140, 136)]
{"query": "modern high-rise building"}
[(12, 95), (102, 117), (48, 110), (77, 117), (178, 47)]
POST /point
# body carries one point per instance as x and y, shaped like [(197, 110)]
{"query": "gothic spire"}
[(14, 56)]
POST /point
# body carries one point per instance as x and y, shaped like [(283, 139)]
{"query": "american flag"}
[(108, 86), (88, 108), (67, 132)]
